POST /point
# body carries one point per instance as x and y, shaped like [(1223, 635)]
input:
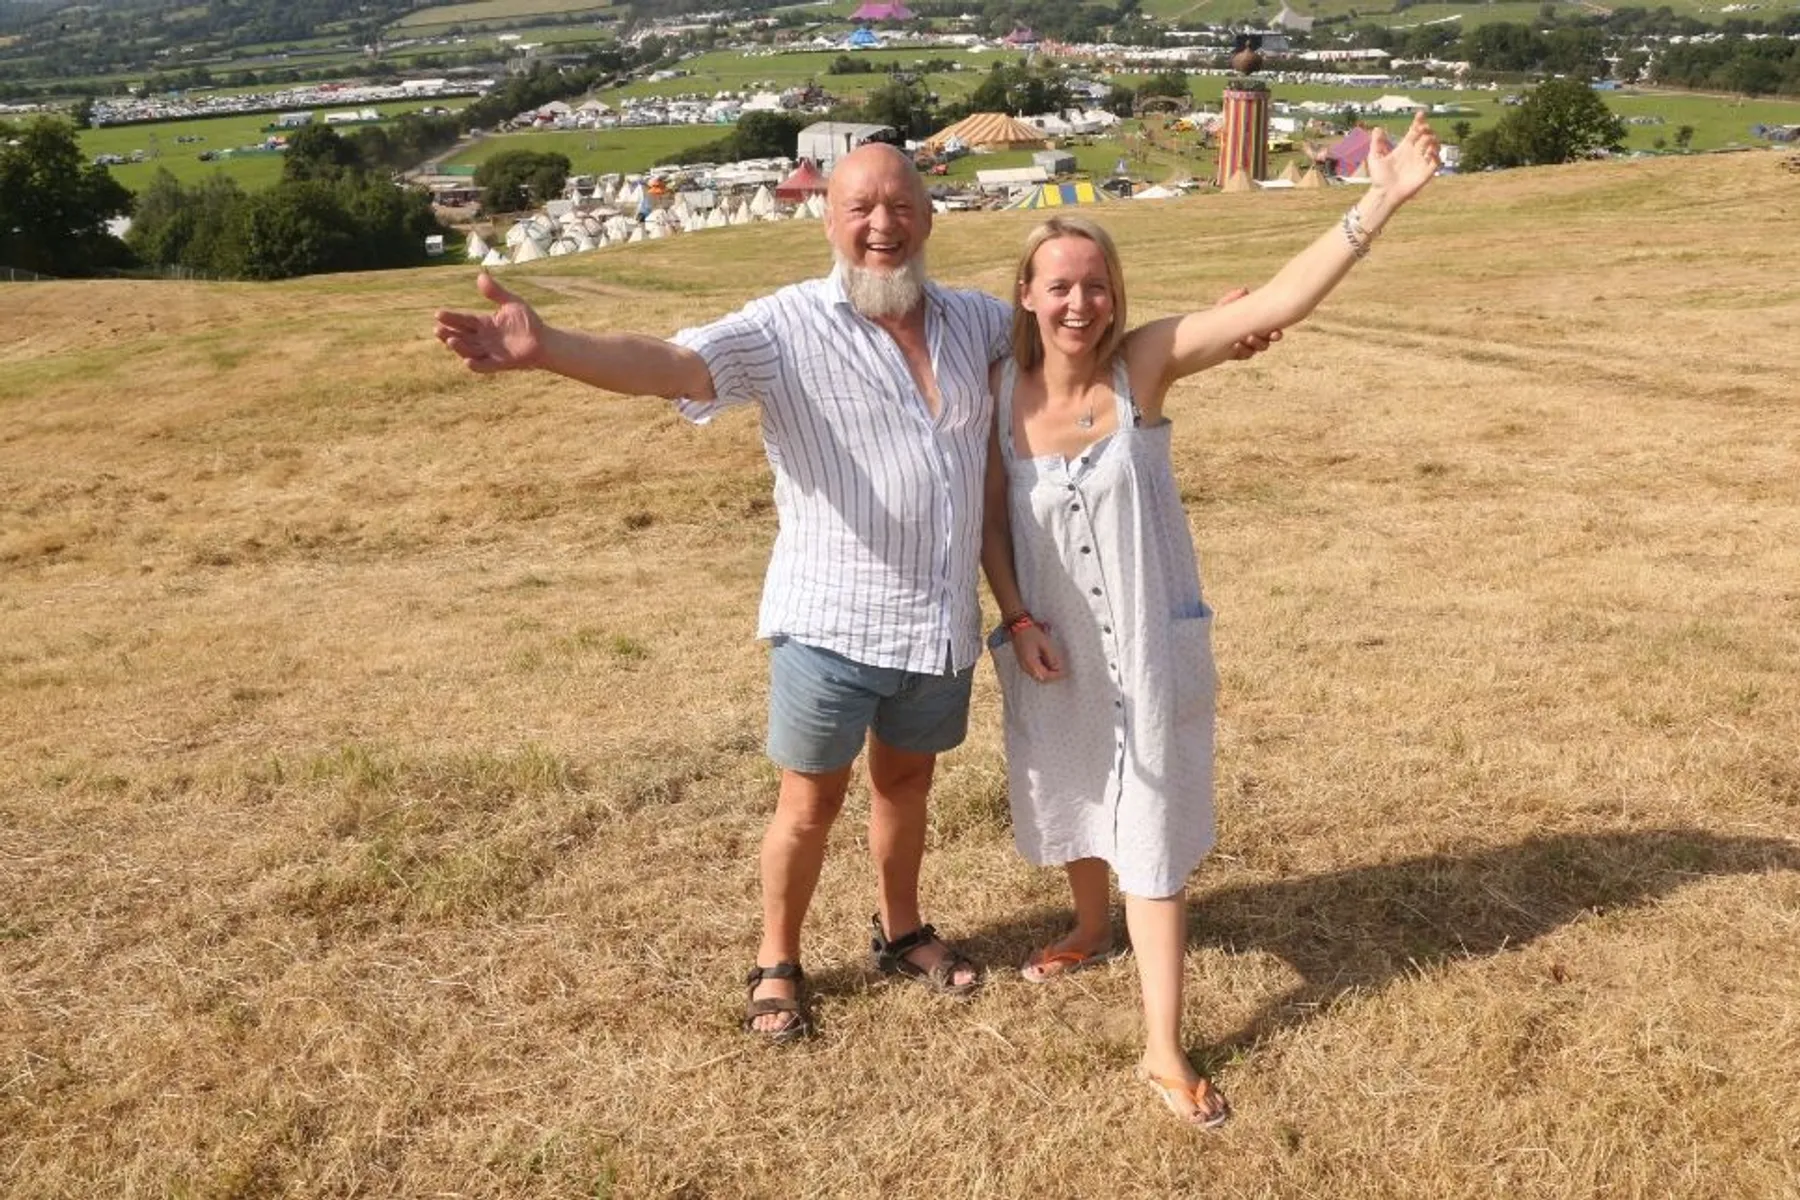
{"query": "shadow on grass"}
[(1358, 929)]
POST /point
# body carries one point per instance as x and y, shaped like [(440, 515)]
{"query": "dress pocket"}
[(1196, 675)]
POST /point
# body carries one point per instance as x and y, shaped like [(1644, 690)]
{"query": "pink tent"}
[(805, 181), (877, 10), (1349, 151)]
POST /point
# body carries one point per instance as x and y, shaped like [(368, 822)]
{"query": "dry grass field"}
[(381, 776)]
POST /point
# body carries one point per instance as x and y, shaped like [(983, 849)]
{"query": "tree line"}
[(1748, 57), (331, 211)]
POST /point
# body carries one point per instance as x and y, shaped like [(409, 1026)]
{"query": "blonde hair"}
[(1027, 343)]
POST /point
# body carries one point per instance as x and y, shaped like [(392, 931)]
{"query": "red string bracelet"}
[(1020, 620)]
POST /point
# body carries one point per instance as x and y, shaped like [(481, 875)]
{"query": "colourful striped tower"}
[(1244, 133)]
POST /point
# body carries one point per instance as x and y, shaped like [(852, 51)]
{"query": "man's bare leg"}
[(793, 853), (899, 784)]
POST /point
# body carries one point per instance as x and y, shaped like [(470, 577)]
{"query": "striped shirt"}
[(879, 502)]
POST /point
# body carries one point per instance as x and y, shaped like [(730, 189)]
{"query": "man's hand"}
[(1037, 654), (1254, 344), (510, 339)]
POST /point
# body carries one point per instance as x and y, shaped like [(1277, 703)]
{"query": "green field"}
[(1718, 123), (597, 151), (560, 36), (182, 159), (491, 10), (732, 71)]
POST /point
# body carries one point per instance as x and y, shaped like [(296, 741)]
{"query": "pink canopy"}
[(874, 10)]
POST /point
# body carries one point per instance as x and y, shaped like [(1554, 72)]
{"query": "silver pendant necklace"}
[(1086, 419)]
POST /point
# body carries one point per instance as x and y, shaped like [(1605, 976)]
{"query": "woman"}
[(1109, 689)]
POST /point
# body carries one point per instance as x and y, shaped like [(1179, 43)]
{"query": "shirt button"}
[(1106, 629), (1096, 591), (1087, 549), (1084, 460), (1074, 508)]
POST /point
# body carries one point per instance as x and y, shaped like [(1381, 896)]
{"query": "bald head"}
[(879, 166), (877, 217)]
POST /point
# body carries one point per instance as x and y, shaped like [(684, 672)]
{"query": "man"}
[(875, 413)]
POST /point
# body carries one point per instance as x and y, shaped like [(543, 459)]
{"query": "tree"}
[(512, 180), (1502, 47), (843, 64), (1559, 121), (1172, 83), (317, 152), (297, 227), (767, 135), (164, 222), (53, 207), (903, 104), (1564, 119), (1684, 137), (1575, 51), (1015, 89)]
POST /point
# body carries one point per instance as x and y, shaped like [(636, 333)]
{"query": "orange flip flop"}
[(1047, 964), (1202, 1095)]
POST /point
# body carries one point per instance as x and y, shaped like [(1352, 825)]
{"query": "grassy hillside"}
[(1467, 16), (383, 742)]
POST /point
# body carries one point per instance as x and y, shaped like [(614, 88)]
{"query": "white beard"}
[(879, 294)]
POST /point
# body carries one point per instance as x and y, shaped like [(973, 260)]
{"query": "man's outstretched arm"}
[(514, 338)]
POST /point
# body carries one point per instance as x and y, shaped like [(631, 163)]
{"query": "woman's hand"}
[(1037, 654), (1403, 169)]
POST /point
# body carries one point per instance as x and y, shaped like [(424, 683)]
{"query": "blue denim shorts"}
[(822, 707)]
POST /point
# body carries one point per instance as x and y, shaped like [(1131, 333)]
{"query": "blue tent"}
[(863, 39)]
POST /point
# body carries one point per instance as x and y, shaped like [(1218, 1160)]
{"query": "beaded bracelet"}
[(1357, 234)]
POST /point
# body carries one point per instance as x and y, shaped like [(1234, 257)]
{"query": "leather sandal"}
[(798, 1024), (890, 959)]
